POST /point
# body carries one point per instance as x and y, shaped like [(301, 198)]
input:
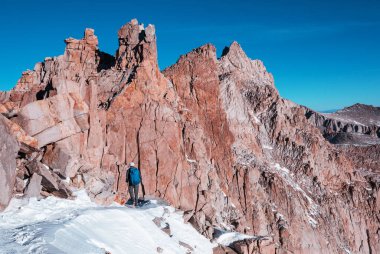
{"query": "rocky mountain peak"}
[(234, 50), (360, 113), (360, 107), (207, 51), (234, 59), (136, 44), (235, 55)]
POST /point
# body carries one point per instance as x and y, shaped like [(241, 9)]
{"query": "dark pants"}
[(134, 193)]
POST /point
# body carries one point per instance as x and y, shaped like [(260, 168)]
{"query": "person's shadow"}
[(140, 203)]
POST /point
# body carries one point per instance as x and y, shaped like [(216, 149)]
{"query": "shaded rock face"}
[(8, 152), (211, 136)]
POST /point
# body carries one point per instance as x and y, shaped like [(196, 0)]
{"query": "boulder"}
[(63, 190), (34, 186), (49, 182), (161, 224), (187, 246), (22, 174), (64, 156), (98, 184), (257, 245), (55, 118)]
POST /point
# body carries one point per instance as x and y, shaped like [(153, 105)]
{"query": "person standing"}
[(133, 179)]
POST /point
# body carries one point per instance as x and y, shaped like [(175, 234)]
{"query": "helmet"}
[(131, 164)]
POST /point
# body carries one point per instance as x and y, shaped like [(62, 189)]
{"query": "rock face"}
[(8, 152), (211, 136)]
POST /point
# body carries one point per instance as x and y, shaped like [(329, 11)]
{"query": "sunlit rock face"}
[(211, 136)]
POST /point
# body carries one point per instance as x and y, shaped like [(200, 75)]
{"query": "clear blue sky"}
[(324, 54)]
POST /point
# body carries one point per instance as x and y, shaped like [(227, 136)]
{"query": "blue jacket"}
[(127, 176)]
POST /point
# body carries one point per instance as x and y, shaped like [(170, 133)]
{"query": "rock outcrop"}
[(211, 136)]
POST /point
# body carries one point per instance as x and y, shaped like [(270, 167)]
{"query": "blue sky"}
[(323, 54)]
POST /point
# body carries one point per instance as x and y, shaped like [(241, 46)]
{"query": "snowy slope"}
[(56, 225)]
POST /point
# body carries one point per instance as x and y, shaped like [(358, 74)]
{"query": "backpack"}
[(134, 176)]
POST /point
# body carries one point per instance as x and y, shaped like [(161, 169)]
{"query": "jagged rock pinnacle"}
[(234, 59), (136, 44)]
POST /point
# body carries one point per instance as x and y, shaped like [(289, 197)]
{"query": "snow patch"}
[(346, 250), (67, 180), (280, 216), (227, 238), (283, 169), (190, 160), (54, 225), (267, 147), (46, 166), (312, 221), (256, 119)]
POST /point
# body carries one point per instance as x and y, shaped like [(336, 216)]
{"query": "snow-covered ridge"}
[(54, 225), (229, 237)]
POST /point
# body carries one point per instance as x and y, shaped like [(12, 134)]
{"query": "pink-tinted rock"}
[(34, 187), (136, 44), (223, 250), (55, 118), (64, 156), (8, 152), (49, 182), (26, 143)]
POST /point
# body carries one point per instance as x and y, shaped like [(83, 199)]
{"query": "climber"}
[(133, 179)]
